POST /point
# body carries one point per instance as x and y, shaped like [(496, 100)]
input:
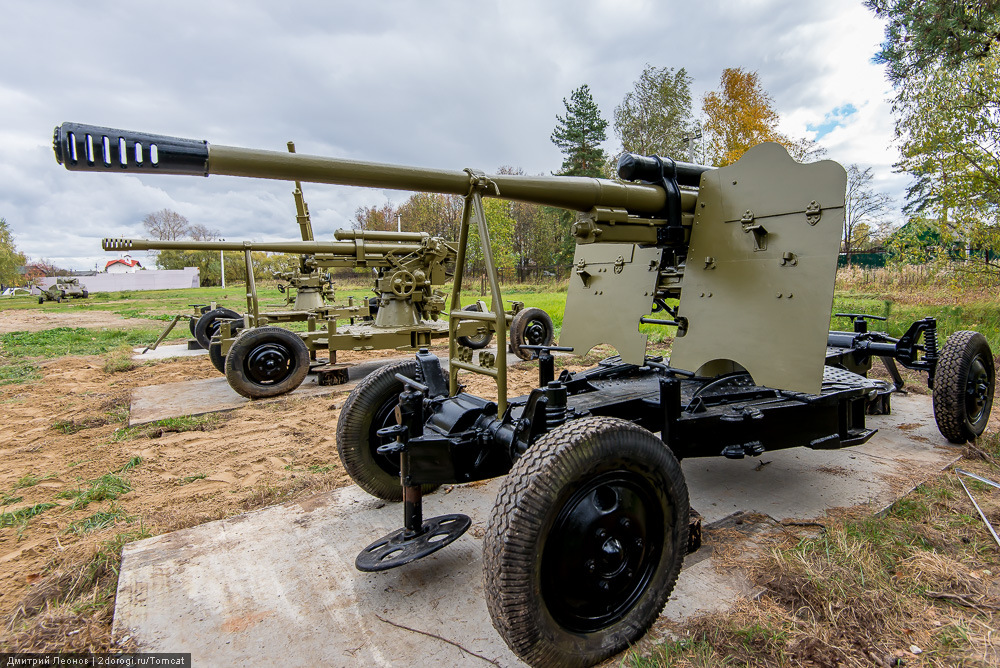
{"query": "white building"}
[(123, 265)]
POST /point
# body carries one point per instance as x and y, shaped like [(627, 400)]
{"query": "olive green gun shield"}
[(610, 288), (758, 285)]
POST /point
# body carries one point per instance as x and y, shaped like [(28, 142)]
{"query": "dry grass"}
[(925, 283), (863, 592)]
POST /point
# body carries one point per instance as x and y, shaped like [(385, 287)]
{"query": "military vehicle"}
[(63, 288), (591, 523)]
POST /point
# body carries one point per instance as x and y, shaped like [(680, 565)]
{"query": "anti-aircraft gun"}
[(591, 523), (261, 359), (304, 287)]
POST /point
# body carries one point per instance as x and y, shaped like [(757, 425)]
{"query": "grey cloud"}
[(439, 83)]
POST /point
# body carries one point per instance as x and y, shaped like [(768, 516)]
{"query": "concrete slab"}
[(167, 351), (210, 395), (279, 586)]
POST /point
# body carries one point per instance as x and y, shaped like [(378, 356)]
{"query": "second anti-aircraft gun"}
[(261, 357), (591, 523)]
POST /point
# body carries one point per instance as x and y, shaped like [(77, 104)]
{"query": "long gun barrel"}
[(348, 248), (93, 148)]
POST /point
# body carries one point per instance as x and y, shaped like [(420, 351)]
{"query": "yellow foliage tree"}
[(740, 115)]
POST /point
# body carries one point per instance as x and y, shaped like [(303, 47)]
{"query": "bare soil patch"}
[(37, 320), (64, 433)]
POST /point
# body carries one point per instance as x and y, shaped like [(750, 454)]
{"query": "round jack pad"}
[(397, 548)]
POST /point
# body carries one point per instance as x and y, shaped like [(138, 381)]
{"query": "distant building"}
[(123, 265)]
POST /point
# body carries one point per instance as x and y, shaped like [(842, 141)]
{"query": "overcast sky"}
[(444, 84)]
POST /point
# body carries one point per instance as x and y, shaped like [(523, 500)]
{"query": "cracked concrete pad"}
[(278, 585)]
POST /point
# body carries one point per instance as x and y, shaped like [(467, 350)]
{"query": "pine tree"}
[(923, 34), (579, 135)]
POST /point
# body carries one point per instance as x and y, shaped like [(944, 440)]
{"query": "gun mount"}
[(591, 524)]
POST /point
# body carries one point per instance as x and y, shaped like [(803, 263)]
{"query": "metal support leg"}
[(418, 537)]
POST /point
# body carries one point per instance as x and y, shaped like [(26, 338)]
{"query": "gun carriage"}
[(591, 523)]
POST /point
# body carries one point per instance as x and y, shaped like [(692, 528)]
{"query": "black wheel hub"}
[(977, 390), (602, 550), (536, 333), (269, 363)]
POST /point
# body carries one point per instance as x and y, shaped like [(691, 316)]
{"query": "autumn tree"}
[(741, 115), (376, 218), (11, 260), (579, 135), (437, 214), (655, 117), (865, 210)]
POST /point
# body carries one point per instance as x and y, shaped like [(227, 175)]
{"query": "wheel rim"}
[(977, 390), (602, 551), (479, 339), (269, 364), (385, 416), (536, 333)]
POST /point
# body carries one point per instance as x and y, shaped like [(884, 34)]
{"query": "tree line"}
[(655, 117)]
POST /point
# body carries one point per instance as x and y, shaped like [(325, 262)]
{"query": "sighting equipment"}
[(591, 523)]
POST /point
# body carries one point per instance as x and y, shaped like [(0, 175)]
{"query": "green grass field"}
[(156, 307)]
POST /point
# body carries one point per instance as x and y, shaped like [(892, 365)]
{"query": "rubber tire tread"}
[(354, 424), (475, 344), (201, 328), (250, 338), (950, 379), (520, 323), (528, 494), (216, 357)]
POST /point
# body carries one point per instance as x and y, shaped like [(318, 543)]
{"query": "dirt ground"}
[(65, 431), (37, 320), (62, 434)]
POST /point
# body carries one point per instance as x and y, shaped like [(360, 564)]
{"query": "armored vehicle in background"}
[(63, 288)]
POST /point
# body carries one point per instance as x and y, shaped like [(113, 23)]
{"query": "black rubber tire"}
[(368, 408), (964, 384), (531, 326), (208, 325), (84, 294), (266, 362), (475, 342), (216, 356), (41, 300), (59, 299), (544, 542), (194, 321)]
